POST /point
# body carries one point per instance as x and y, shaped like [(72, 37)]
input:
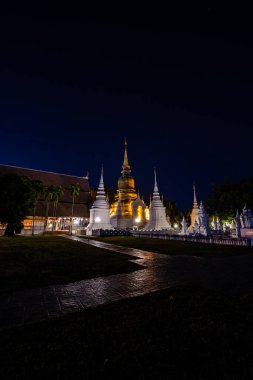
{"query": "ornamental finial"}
[(125, 166), (195, 203)]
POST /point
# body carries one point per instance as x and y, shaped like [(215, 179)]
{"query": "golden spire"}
[(125, 166)]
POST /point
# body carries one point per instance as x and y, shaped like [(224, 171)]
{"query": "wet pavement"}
[(157, 272)]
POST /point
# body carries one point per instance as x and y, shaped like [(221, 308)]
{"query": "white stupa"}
[(157, 213), (99, 212)]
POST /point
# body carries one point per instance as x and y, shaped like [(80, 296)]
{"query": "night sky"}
[(73, 87)]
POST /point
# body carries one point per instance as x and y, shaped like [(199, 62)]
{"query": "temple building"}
[(50, 216), (157, 213), (99, 212), (128, 210)]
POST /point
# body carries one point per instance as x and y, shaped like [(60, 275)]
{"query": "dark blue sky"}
[(73, 88)]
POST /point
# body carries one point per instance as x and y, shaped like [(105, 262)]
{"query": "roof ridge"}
[(44, 171)]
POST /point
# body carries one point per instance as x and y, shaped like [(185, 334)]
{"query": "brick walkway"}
[(159, 272)]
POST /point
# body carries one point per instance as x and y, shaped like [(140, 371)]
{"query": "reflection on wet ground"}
[(232, 274)]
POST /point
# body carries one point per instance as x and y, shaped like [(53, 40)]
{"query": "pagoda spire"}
[(126, 166), (99, 212), (195, 203), (102, 176), (101, 197), (155, 187), (157, 216)]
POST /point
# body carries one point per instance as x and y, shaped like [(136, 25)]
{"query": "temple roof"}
[(57, 179)]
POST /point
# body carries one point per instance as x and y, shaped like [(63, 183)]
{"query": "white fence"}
[(195, 239)]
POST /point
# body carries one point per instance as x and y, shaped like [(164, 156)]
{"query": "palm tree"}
[(57, 195), (49, 193), (38, 189), (75, 190)]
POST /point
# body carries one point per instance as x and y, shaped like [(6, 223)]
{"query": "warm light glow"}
[(137, 220), (175, 225), (139, 213), (97, 219), (147, 213)]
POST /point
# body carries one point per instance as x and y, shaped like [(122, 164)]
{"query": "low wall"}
[(37, 231), (195, 239), (110, 232)]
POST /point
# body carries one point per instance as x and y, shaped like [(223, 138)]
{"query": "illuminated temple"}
[(128, 210), (48, 217)]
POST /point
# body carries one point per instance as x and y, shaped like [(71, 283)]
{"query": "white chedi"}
[(237, 223), (214, 224), (99, 212), (184, 227), (203, 221), (157, 213)]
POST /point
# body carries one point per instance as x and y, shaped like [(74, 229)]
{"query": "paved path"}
[(159, 272)]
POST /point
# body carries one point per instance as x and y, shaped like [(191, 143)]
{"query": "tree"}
[(58, 193), (93, 193), (38, 189), (186, 214), (228, 197), (17, 199), (171, 210), (110, 194), (75, 190), (49, 193)]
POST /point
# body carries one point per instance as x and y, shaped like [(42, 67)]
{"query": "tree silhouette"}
[(49, 193), (75, 190), (17, 199), (228, 197), (38, 190)]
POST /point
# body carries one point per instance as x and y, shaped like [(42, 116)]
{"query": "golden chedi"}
[(121, 210), (195, 210)]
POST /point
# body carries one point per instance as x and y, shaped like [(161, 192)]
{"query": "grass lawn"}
[(29, 262), (173, 247), (181, 333)]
